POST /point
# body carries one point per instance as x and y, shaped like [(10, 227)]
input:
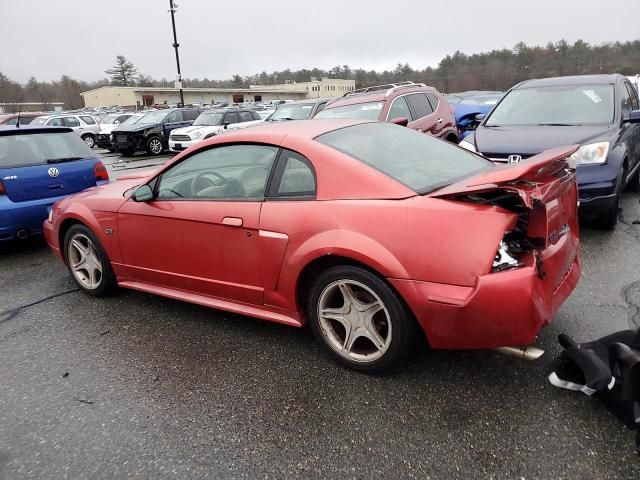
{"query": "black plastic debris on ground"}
[(609, 368)]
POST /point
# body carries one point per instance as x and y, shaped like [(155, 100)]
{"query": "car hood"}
[(108, 127), (533, 140), (134, 127), (206, 129)]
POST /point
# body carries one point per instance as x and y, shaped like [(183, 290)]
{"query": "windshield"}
[(132, 119), (209, 118), (154, 117), (300, 111), (359, 111), (109, 118), (40, 148), (419, 161), (555, 105)]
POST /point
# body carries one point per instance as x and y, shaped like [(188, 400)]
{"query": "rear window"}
[(40, 148), (419, 161), (359, 111)]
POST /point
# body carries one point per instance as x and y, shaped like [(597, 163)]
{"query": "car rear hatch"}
[(42, 165), (542, 191)]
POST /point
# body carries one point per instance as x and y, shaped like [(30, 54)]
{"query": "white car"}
[(81, 123), (111, 121), (208, 124)]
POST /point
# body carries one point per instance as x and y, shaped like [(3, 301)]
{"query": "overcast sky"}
[(48, 38)]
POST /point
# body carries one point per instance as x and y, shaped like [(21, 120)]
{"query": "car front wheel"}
[(360, 319), (88, 262), (89, 140), (154, 146)]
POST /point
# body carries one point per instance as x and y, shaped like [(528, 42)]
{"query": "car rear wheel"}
[(88, 262), (154, 146), (89, 140), (359, 319)]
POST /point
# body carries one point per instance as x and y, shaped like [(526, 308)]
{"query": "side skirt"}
[(240, 308)]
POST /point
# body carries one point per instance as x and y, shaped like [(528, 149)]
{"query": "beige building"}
[(140, 97)]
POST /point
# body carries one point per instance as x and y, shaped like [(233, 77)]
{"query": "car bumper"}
[(180, 146), (131, 143), (103, 141), (23, 216), (51, 237), (503, 309)]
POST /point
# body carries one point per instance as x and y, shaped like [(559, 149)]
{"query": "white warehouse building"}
[(140, 97)]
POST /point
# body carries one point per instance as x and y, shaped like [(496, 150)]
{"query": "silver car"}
[(83, 124)]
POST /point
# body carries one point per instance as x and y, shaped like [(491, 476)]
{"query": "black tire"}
[(402, 330), (107, 283), (634, 183), (89, 139), (154, 145)]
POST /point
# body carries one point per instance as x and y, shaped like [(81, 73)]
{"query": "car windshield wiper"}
[(63, 159)]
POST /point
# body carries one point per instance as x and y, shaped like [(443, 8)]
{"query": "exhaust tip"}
[(22, 234), (524, 353)]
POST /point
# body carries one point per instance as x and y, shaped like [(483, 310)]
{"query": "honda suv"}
[(82, 124), (414, 105), (151, 132)]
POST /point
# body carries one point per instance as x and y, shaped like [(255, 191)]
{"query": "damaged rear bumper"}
[(502, 309)]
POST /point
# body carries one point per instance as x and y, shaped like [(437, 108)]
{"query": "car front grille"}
[(180, 138), (121, 138), (504, 157)]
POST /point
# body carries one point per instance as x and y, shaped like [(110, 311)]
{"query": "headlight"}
[(197, 134), (592, 154), (467, 146)]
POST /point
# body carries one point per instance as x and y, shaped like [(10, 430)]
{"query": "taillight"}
[(101, 172), (2, 192)]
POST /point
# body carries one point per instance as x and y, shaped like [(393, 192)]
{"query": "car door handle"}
[(439, 120), (232, 221)]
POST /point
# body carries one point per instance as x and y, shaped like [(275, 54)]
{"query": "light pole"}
[(172, 10)]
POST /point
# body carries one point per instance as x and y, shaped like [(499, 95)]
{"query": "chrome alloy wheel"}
[(354, 321), (90, 141), (84, 261), (155, 146)]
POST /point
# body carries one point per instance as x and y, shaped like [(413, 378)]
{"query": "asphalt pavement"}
[(138, 386)]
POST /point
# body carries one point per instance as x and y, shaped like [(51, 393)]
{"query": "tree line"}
[(494, 70)]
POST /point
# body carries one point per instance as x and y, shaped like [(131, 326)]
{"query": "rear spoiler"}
[(535, 168)]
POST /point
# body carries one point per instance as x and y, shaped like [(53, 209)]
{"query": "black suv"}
[(151, 132)]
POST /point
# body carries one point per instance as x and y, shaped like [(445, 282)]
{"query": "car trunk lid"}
[(542, 190)]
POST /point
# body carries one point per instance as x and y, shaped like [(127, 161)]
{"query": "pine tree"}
[(123, 73)]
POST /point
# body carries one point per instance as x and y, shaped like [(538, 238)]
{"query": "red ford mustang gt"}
[(367, 231)]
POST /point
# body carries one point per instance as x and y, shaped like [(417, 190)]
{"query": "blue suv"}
[(38, 167)]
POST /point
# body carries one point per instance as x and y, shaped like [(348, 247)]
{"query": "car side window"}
[(231, 117), (56, 122), (88, 120), (625, 102), (399, 109), (633, 96), (71, 122), (433, 100), (230, 172), (255, 115), (420, 104), (297, 178), (174, 117), (245, 116), (121, 118), (190, 115)]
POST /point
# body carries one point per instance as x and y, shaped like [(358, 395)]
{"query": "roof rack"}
[(389, 87)]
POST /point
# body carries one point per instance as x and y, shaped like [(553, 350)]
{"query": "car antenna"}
[(19, 111)]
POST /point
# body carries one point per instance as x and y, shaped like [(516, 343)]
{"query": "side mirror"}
[(634, 117), (402, 121), (479, 117), (143, 194), (226, 124)]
